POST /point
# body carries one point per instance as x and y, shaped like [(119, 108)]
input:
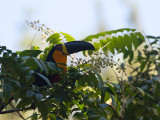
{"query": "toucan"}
[(58, 54)]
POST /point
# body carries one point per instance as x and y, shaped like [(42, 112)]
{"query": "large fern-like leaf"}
[(56, 38), (117, 40)]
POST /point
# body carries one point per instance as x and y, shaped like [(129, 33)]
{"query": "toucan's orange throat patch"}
[(60, 59)]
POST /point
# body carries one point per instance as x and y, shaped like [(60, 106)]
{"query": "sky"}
[(79, 18)]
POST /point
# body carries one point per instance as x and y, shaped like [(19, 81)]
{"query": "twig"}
[(116, 75), (114, 110), (33, 38), (98, 50), (147, 39), (3, 106), (130, 67), (16, 110)]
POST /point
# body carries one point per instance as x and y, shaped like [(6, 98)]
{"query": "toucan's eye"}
[(59, 48)]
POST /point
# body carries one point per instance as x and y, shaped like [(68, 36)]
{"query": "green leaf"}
[(68, 37), (23, 103), (122, 43), (38, 63), (94, 116), (104, 105), (83, 80), (30, 62), (16, 82), (151, 37), (116, 85), (141, 90), (7, 91), (125, 54), (154, 52), (90, 52), (156, 78), (131, 56), (98, 76), (52, 66), (29, 93), (45, 79), (44, 66), (107, 89), (32, 53), (102, 118), (35, 48), (135, 40), (39, 97), (33, 117), (115, 42), (43, 108), (140, 36), (110, 46), (2, 78), (3, 47), (90, 79), (29, 75), (143, 64), (52, 117), (110, 88), (96, 36), (58, 118), (77, 115), (128, 41), (54, 38), (102, 44), (97, 46)]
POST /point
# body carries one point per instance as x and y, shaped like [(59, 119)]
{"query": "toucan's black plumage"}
[(58, 54)]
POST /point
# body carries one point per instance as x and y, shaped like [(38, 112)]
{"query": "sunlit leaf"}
[(141, 91), (54, 38), (68, 37)]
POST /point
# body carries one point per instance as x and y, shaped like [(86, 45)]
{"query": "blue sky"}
[(76, 17)]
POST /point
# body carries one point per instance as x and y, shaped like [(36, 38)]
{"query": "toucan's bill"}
[(77, 46)]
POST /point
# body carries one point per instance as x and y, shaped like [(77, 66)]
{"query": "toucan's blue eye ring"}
[(59, 48)]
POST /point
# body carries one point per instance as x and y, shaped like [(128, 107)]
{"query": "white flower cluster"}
[(96, 61), (46, 30)]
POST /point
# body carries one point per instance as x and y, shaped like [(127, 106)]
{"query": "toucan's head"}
[(58, 54)]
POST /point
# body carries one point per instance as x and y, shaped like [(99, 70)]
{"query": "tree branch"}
[(3, 106), (16, 110)]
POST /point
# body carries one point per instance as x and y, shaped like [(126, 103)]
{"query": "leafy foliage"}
[(82, 93), (140, 98), (120, 40)]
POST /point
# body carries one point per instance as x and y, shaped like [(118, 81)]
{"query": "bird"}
[(58, 54)]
